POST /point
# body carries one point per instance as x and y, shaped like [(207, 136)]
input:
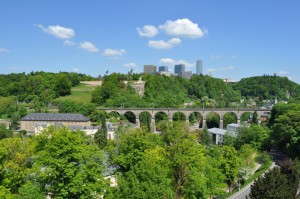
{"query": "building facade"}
[(217, 135), (33, 120), (186, 74), (179, 68), (199, 67), (149, 69), (163, 69)]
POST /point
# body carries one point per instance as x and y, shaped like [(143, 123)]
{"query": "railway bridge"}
[(187, 112)]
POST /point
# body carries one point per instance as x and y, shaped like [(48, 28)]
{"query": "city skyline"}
[(234, 39)]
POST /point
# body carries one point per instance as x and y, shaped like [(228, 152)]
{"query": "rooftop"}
[(217, 131), (55, 117), (234, 125)]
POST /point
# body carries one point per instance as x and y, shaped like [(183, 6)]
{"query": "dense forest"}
[(268, 87), (199, 91)]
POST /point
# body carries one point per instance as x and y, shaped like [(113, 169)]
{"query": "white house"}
[(233, 127), (217, 135)]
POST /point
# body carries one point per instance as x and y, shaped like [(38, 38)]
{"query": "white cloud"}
[(227, 68), (161, 44), (183, 28), (113, 53), (88, 46), (69, 43), (172, 62), (215, 57), (211, 70), (130, 65), (4, 50), (147, 31), (58, 31), (282, 73), (76, 70)]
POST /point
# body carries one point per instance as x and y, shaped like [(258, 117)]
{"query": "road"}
[(246, 190)]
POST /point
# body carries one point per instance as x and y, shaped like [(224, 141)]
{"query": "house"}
[(264, 117), (233, 127), (217, 135), (39, 126)]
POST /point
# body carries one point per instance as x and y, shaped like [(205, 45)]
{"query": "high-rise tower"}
[(149, 69), (179, 68), (199, 67)]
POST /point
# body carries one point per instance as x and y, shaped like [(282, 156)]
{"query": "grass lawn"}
[(81, 93)]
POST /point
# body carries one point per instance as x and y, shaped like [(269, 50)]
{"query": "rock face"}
[(139, 87)]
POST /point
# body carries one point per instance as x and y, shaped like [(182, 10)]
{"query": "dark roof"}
[(55, 117)]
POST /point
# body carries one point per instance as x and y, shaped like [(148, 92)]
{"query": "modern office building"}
[(199, 67), (149, 69), (179, 68), (186, 74), (163, 69)]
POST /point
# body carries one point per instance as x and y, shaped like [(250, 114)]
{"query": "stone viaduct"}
[(186, 111)]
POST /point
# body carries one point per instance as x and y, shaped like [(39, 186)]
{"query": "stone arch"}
[(213, 119), (146, 122), (229, 117), (160, 117), (114, 116), (178, 116), (245, 117), (130, 116), (196, 119)]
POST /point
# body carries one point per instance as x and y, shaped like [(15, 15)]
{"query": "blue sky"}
[(234, 38)]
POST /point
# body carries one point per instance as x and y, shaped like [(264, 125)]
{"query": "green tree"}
[(68, 165), (5, 133), (204, 137), (101, 135), (63, 85), (187, 158), (286, 132), (255, 118), (144, 180), (16, 156), (230, 165), (272, 185), (255, 135), (145, 121), (30, 191)]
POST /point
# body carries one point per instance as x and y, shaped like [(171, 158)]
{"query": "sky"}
[(234, 38)]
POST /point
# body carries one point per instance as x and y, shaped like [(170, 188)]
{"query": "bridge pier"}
[(187, 121), (204, 123), (238, 121), (137, 122), (221, 124), (153, 124)]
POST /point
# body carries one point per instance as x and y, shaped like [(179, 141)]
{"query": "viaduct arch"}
[(186, 111)]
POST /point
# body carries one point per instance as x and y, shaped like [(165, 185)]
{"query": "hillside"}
[(268, 87)]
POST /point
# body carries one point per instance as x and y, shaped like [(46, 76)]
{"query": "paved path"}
[(246, 190)]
